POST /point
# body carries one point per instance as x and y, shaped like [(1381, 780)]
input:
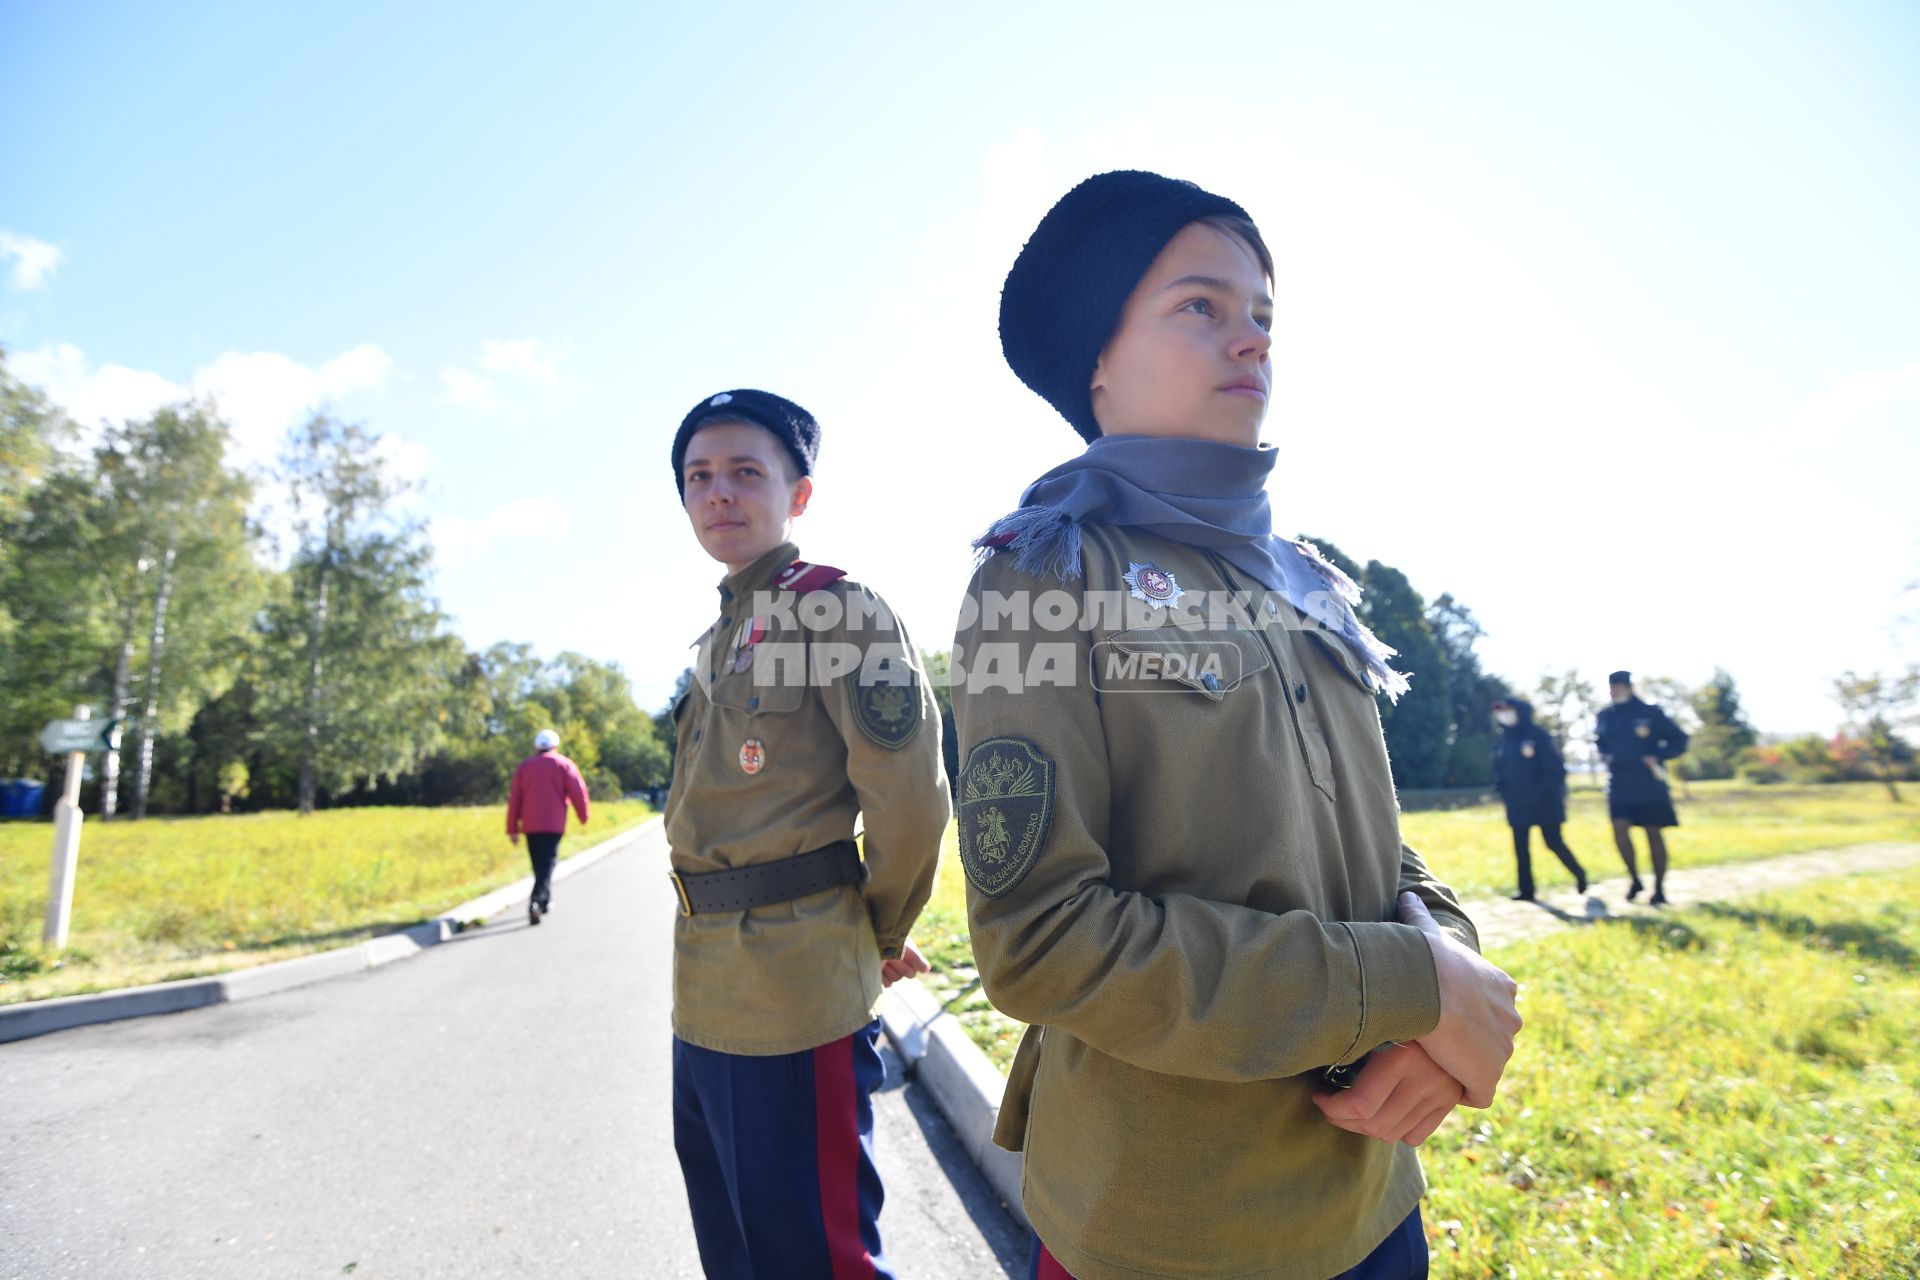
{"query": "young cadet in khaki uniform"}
[(807, 709), (1176, 817)]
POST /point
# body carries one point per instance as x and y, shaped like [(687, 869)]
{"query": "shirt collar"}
[(737, 585)]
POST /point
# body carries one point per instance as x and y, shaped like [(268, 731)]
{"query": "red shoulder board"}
[(802, 577), (998, 541)]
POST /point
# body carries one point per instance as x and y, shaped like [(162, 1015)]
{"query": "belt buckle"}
[(680, 887)]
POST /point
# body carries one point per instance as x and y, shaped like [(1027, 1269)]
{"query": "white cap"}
[(545, 740)]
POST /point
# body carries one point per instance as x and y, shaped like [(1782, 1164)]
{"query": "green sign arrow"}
[(62, 736)]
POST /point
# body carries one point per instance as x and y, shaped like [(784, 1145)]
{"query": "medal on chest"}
[(1151, 583), (753, 756), (1642, 729), (751, 633), (1526, 749)]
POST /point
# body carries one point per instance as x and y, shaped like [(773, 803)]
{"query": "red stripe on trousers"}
[(836, 1146), (1050, 1268)]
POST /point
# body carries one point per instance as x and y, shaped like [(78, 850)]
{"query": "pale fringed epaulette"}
[(1343, 586), (1044, 542), (1371, 649), (801, 577)]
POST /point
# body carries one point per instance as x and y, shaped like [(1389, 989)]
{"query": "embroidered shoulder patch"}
[(888, 709), (1006, 806)]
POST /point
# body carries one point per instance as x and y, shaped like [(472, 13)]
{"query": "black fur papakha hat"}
[(793, 426), (1063, 298)]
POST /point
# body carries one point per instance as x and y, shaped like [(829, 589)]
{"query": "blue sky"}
[(1602, 318)]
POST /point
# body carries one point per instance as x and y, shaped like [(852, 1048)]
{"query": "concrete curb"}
[(963, 1083), (40, 1017)]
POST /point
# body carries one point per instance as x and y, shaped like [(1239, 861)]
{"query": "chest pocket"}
[(1213, 662), (739, 692)]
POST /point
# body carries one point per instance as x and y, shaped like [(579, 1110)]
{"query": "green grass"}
[(182, 897), (1472, 850), (1727, 1091)]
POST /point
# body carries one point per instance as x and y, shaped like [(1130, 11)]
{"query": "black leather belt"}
[(765, 883)]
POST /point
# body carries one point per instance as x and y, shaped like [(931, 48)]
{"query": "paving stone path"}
[(1501, 920)]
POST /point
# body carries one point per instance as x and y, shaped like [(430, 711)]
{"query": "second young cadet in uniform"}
[(807, 713)]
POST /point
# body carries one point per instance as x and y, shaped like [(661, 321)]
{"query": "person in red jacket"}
[(543, 786)]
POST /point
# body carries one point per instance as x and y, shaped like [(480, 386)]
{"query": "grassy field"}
[(1472, 850), (1730, 1091), (1725, 1091), (177, 898)]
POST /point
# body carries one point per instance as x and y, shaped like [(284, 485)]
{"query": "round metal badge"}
[(1152, 583), (753, 756)]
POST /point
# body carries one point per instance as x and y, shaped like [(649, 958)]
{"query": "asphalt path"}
[(498, 1106)]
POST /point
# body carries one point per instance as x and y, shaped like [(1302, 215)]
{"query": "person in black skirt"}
[(1636, 739)]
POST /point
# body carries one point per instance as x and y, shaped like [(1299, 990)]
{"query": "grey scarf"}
[(1197, 492)]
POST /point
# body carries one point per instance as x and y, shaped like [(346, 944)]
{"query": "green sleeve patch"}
[(888, 709), (1006, 806)]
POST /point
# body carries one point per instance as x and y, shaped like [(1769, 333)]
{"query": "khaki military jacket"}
[(806, 712), (1183, 853)]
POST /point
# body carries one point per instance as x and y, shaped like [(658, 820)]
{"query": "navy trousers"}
[(777, 1153), (1401, 1256), (542, 848)]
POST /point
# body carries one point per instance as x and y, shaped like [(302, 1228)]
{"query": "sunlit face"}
[(1190, 355), (741, 494)]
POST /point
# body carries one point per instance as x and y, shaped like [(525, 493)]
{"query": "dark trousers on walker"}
[(1401, 1256), (778, 1158), (1523, 853), (542, 847)]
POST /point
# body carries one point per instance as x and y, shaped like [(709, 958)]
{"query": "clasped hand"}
[(1404, 1093)]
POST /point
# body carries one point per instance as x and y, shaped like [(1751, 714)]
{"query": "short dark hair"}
[(721, 418), (1244, 230)]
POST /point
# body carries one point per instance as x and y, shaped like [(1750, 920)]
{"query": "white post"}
[(66, 847)]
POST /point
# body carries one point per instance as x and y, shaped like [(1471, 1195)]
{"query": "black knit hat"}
[(1063, 298), (791, 425)]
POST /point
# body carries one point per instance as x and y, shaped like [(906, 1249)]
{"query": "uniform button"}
[(1300, 693), (753, 702), (725, 621), (1212, 682), (696, 735)]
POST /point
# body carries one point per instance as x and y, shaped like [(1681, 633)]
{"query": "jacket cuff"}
[(1399, 987), (891, 948)]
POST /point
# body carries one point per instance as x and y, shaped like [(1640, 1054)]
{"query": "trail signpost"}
[(74, 738)]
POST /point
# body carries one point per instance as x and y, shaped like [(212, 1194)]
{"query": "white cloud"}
[(468, 389), (111, 393), (33, 260), (529, 359), (262, 393), (456, 538), (259, 393), (513, 367)]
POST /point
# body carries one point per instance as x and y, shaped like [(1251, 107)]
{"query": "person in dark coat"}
[(1636, 739), (1533, 781)]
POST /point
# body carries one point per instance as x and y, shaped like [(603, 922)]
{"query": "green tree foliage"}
[(1724, 734), (1566, 706), (1473, 691), (176, 558), (353, 648), (1419, 727), (1874, 705)]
